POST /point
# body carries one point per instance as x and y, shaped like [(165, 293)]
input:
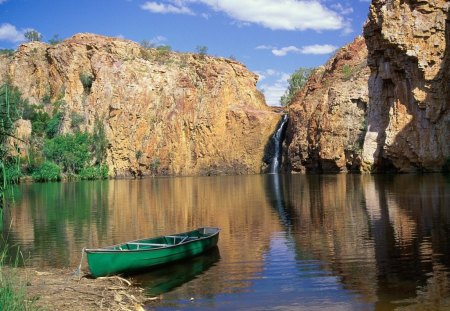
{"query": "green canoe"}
[(141, 254)]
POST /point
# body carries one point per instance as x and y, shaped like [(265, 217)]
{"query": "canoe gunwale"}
[(110, 249)]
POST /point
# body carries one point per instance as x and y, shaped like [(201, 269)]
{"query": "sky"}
[(273, 38)]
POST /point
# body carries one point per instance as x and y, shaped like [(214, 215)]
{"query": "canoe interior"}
[(160, 242)]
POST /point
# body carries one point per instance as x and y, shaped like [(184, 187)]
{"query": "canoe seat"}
[(175, 237), (138, 244)]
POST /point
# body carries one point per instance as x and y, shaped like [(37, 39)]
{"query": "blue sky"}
[(271, 37)]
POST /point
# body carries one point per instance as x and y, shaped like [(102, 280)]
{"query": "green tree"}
[(33, 35), (295, 82)]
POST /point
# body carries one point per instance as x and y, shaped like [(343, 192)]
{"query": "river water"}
[(288, 242)]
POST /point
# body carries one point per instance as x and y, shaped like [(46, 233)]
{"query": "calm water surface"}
[(322, 242)]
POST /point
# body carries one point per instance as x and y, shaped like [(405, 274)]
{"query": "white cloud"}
[(280, 14), (265, 47), (158, 40), (275, 85), (2, 1), (9, 32), (176, 8), (273, 14), (284, 51), (316, 49), (341, 9)]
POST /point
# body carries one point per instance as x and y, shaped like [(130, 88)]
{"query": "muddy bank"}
[(62, 289)]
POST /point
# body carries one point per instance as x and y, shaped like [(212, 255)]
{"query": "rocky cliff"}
[(327, 117), (391, 115), (409, 59), (163, 112)]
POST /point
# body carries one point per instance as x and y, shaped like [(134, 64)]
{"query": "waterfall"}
[(277, 141)]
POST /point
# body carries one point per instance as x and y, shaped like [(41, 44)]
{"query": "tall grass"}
[(12, 289)]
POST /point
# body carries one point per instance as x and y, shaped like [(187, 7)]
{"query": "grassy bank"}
[(12, 288)]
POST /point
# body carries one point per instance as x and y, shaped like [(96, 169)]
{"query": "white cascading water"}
[(274, 167)]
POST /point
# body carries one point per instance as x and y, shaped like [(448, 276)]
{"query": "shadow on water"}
[(167, 278)]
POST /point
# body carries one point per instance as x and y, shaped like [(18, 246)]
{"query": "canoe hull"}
[(113, 260)]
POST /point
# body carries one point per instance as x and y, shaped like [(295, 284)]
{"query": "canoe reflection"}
[(167, 278)]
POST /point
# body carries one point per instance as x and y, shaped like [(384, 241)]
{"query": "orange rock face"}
[(327, 117), (163, 112), (409, 90)]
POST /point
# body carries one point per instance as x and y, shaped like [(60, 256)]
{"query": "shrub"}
[(202, 50), (13, 172), (86, 80), (52, 127), (76, 120), (48, 171), (94, 172), (71, 151), (55, 39), (138, 154), (347, 72), (8, 52), (154, 165), (100, 144)]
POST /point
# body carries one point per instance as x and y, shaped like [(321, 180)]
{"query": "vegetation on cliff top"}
[(295, 83)]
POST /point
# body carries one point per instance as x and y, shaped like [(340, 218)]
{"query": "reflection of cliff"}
[(56, 218), (383, 235), (62, 218)]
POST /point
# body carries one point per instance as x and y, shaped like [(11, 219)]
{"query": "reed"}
[(12, 289)]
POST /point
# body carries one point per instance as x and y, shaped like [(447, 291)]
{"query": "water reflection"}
[(319, 241), (160, 281)]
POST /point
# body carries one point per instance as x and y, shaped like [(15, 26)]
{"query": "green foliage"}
[(76, 120), (8, 52), (154, 165), (33, 35), (11, 109), (86, 80), (295, 83), (100, 144), (39, 119), (347, 72), (55, 40), (70, 151), (94, 172), (202, 50), (13, 171), (138, 154), (52, 127), (47, 171), (163, 53)]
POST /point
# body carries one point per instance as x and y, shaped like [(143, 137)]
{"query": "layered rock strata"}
[(163, 112), (409, 58)]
